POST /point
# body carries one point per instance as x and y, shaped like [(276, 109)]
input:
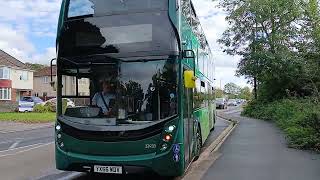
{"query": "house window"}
[(24, 75), (46, 80), (4, 73), (5, 94)]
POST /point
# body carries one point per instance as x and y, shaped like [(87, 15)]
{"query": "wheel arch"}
[(198, 127)]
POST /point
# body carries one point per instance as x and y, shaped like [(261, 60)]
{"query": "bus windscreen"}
[(127, 91)]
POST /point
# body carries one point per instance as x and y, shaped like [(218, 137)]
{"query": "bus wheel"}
[(199, 145)]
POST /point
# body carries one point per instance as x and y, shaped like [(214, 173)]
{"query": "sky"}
[(28, 30)]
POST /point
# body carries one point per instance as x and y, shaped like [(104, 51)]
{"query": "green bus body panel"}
[(61, 19), (203, 116), (109, 148)]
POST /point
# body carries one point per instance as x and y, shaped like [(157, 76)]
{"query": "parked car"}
[(239, 101), (232, 102), (27, 103), (53, 101), (221, 103)]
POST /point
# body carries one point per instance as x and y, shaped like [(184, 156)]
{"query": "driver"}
[(102, 99)]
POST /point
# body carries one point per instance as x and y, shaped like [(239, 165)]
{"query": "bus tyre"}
[(198, 145)]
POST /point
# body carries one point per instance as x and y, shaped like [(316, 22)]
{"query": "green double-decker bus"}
[(140, 73)]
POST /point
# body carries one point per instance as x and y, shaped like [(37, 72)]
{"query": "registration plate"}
[(108, 169)]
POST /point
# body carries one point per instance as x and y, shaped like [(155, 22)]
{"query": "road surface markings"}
[(31, 145), (14, 145), (6, 142), (34, 146)]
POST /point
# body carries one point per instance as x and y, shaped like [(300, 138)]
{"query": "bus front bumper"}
[(162, 164)]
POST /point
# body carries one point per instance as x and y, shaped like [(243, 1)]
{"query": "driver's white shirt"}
[(97, 100)]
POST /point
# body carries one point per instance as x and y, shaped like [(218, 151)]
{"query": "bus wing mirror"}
[(53, 84), (189, 79), (188, 54), (53, 80)]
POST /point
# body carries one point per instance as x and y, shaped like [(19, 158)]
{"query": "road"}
[(257, 150), (30, 155), (26, 154), (26, 138)]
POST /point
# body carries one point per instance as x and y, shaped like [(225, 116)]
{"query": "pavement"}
[(257, 150)]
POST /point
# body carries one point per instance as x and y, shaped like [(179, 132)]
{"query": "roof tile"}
[(45, 72), (8, 60)]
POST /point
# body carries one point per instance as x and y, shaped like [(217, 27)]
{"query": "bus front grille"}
[(112, 136)]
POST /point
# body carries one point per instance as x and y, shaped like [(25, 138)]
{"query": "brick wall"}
[(13, 95), (8, 106)]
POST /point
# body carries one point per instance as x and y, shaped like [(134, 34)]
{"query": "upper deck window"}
[(101, 7)]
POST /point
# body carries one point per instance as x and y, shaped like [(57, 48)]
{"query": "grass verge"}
[(298, 118), (28, 117)]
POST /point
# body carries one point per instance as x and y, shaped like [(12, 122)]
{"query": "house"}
[(16, 80), (42, 87), (41, 81)]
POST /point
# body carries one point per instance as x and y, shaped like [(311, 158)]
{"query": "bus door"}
[(188, 123)]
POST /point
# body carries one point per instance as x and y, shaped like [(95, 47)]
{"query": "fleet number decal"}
[(150, 146)]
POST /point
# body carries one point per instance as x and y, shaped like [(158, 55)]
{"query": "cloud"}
[(21, 20), (214, 24), (45, 58), (14, 42), (226, 75)]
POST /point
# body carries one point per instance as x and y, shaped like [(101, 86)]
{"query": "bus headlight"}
[(58, 127), (171, 128), (168, 135)]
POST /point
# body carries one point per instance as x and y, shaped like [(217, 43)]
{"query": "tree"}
[(245, 93), (219, 93), (232, 89), (278, 41), (35, 67)]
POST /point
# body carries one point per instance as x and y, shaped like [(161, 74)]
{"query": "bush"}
[(49, 107), (41, 108), (64, 105), (298, 118)]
